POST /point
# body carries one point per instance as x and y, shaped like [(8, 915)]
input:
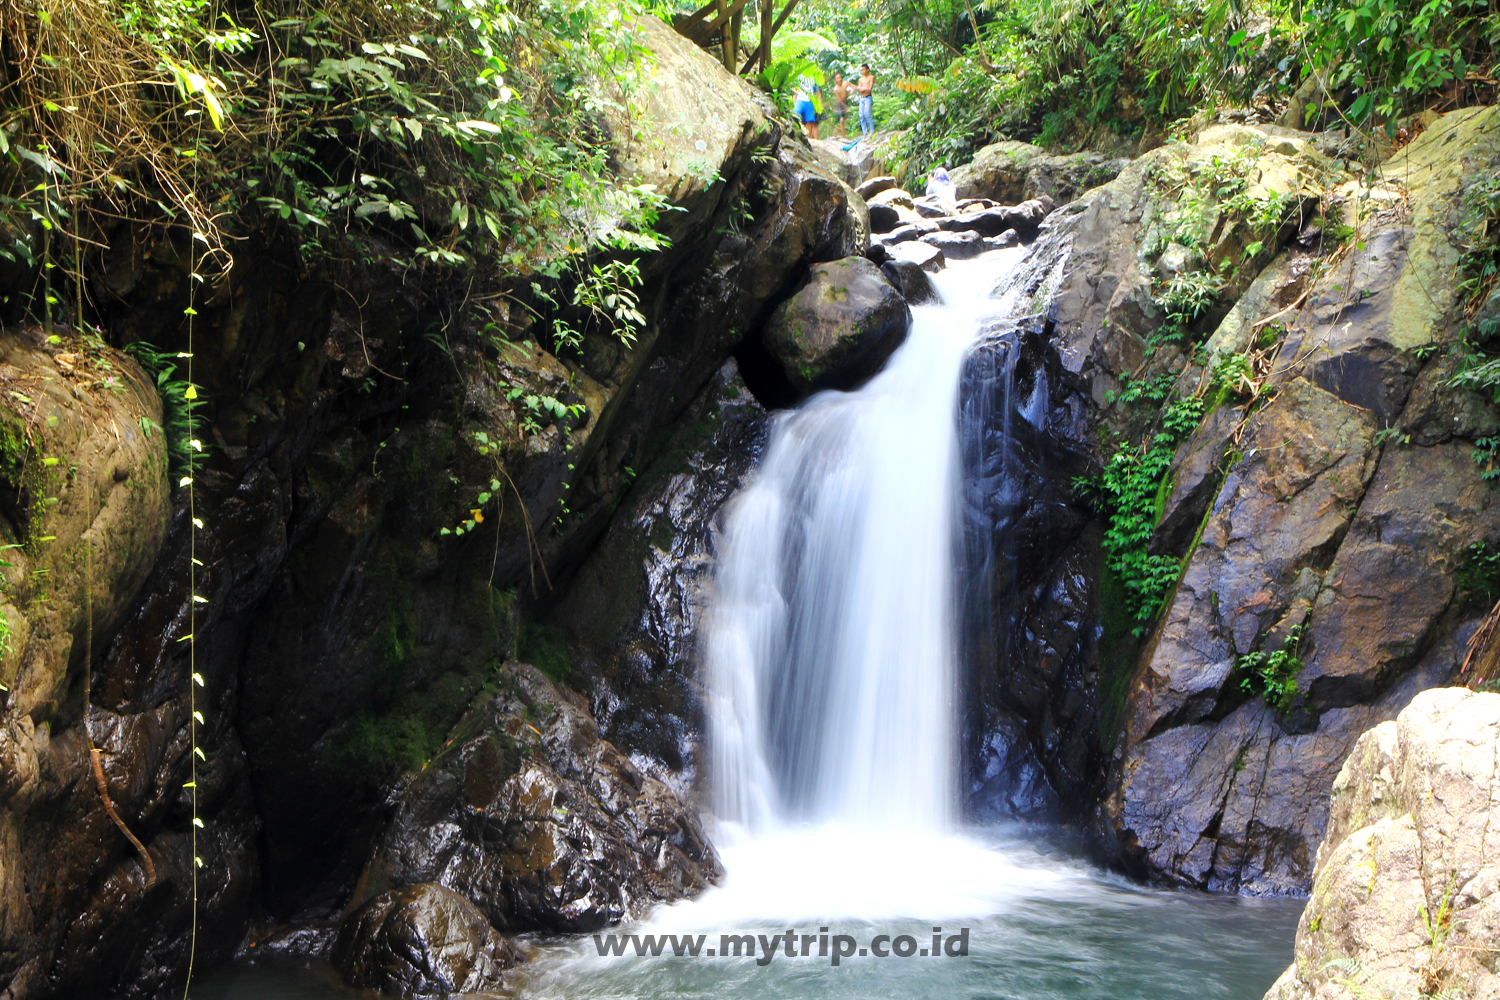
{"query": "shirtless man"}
[(840, 102), (865, 88)]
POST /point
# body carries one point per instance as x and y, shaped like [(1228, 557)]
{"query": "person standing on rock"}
[(840, 102), (803, 107), (865, 88)]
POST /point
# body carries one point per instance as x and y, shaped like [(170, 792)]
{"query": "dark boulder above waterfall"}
[(421, 941), (839, 327), (907, 275), (957, 246), (539, 822)]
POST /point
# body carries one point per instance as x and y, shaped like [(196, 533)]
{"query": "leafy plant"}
[(789, 61), (1274, 673), (1131, 487), (465, 135), (1188, 296), (179, 400), (1479, 573), (1390, 53)]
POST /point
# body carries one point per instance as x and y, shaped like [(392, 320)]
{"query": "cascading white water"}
[(830, 667), (830, 645)]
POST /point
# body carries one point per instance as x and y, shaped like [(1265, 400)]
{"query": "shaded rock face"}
[(1406, 891), (539, 822), (1294, 519), (1029, 737), (839, 328), (423, 941), (343, 632)]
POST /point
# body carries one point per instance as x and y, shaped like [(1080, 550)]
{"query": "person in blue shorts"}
[(803, 106)]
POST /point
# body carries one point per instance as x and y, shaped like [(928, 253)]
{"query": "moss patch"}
[(545, 647), (411, 731), (1118, 648)]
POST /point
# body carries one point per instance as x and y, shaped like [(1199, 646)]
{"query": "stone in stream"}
[(957, 246), (1024, 218), (839, 328), (875, 185), (893, 196), (1011, 171), (929, 208), (1004, 241), (884, 217), (914, 283), (907, 231), (421, 941), (926, 256), (900, 234)]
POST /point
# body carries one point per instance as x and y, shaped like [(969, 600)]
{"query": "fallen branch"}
[(109, 807)]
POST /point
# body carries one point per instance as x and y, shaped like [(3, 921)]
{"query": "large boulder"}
[(539, 822), (705, 124), (914, 284), (1010, 172), (1406, 891), (926, 256), (839, 328), (422, 941)]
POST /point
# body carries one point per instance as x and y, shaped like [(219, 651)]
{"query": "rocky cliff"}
[(1329, 501)]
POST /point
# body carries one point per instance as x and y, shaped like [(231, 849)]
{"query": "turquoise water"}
[(1059, 929)]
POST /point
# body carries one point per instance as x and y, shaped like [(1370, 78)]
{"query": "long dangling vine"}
[(195, 679)]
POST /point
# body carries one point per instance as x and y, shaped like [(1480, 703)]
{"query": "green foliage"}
[(1187, 296), (464, 135), (403, 735), (1478, 574), (789, 61), (179, 400), (1389, 54), (1131, 486), (1274, 673), (544, 647)]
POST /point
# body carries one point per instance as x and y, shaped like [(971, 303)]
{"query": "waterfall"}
[(831, 645)]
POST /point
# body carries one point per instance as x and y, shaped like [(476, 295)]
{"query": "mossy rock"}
[(840, 327)]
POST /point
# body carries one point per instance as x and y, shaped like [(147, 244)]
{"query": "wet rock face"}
[(839, 328), (1030, 738), (423, 941), (1414, 831), (633, 611), (541, 823)]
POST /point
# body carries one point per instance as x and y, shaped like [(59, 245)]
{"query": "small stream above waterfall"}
[(833, 666)]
